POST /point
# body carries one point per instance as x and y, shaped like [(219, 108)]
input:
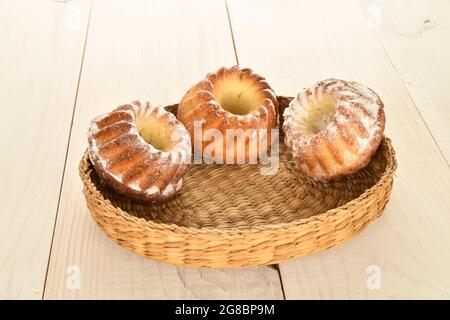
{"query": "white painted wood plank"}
[(416, 36), (141, 50), (295, 43), (40, 59)]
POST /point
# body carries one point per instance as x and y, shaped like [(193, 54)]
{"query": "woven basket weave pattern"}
[(232, 216)]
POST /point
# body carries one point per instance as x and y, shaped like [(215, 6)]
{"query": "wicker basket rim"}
[(122, 214)]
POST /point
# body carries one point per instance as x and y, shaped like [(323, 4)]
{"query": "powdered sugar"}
[(135, 186), (347, 94), (373, 108), (168, 190), (364, 143), (179, 152), (306, 123), (340, 119), (179, 184), (152, 190)]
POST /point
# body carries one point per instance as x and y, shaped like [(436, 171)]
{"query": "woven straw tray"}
[(232, 216)]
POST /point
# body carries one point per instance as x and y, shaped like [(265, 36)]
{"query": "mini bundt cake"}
[(333, 128), (237, 104), (141, 151)]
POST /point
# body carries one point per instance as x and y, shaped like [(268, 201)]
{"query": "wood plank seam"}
[(43, 44), (231, 32), (109, 271), (67, 147), (275, 266), (319, 276), (413, 102), (417, 40)]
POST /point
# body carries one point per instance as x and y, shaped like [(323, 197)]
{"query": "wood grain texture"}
[(417, 41), (40, 59), (300, 42), (141, 50)]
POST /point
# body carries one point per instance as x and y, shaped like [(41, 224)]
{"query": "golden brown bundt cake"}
[(141, 151), (239, 106), (334, 128)]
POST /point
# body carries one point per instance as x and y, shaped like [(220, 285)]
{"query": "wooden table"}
[(63, 62)]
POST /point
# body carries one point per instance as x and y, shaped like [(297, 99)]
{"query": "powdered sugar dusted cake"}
[(140, 150), (334, 128), (230, 100)]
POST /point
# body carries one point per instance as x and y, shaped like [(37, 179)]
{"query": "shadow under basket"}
[(233, 216)]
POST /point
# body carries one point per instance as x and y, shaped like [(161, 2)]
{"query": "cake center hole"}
[(238, 97), (320, 112), (154, 133)]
